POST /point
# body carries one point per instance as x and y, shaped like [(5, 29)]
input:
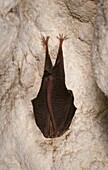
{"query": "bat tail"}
[(48, 64)]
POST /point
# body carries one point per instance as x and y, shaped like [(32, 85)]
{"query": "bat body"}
[(54, 105)]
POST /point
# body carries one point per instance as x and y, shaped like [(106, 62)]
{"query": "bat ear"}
[(44, 40)]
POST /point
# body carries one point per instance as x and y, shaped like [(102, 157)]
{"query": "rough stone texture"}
[(22, 145), (100, 46)]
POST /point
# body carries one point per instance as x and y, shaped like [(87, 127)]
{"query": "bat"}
[(54, 105)]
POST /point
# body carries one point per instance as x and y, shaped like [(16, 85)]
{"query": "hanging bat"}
[(54, 105)]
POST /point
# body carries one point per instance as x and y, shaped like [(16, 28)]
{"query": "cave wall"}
[(22, 23), (100, 47)]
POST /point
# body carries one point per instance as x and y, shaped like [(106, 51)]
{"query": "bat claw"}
[(62, 38), (44, 40)]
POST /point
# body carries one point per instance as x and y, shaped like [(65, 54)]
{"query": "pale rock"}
[(22, 145), (100, 46)]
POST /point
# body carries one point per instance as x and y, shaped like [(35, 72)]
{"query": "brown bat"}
[(54, 105)]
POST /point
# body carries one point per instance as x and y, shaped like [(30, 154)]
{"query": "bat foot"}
[(62, 38), (44, 40)]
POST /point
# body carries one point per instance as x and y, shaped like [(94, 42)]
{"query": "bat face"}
[(54, 105)]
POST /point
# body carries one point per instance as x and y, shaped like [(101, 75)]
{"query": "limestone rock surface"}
[(22, 145), (100, 46)]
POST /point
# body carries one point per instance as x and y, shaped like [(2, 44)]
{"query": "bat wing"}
[(62, 103), (62, 99), (40, 109)]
